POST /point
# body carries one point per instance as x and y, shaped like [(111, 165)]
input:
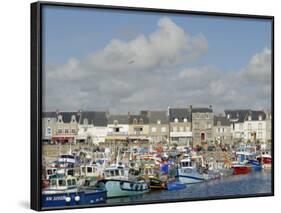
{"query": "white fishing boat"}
[(188, 171)]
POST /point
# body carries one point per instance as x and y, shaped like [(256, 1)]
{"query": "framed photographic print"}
[(139, 106)]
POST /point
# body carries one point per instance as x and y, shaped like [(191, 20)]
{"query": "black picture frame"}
[(36, 96)]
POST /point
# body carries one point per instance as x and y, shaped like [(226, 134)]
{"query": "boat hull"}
[(241, 169), (175, 186), (190, 177), (121, 188), (62, 199)]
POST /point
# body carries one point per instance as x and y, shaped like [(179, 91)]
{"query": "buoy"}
[(68, 199), (77, 198)]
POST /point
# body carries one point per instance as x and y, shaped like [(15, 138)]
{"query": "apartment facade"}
[(202, 125), (180, 126), (222, 130)]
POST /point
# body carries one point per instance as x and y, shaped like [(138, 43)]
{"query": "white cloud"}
[(146, 72)]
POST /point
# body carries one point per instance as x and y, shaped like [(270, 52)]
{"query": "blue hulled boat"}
[(64, 192)]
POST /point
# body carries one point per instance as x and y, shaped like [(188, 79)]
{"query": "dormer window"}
[(185, 120), (218, 123), (260, 117), (85, 121), (176, 120), (115, 122), (135, 121), (249, 117), (73, 120), (228, 116), (60, 119), (141, 121), (158, 121)]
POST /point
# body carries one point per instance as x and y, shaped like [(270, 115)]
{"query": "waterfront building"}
[(268, 126), (118, 128), (255, 126), (222, 130), (180, 126), (49, 120), (202, 125), (158, 125), (236, 118), (93, 127), (66, 127), (138, 127)]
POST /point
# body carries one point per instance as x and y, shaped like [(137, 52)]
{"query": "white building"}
[(92, 127), (255, 126)]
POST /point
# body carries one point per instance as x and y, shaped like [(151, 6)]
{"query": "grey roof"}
[(255, 115), (179, 113), (97, 118), (138, 118), (66, 116), (223, 121), (154, 116), (49, 114), (237, 114), (122, 119), (201, 110)]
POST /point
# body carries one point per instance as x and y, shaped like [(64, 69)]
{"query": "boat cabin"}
[(63, 183)]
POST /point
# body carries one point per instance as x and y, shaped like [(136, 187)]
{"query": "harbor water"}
[(235, 185)]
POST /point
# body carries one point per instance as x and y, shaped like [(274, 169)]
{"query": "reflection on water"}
[(253, 183)]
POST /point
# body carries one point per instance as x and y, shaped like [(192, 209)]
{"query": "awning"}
[(116, 138), (63, 137)]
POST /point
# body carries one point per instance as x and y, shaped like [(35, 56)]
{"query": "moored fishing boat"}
[(188, 172), (175, 186), (123, 188), (239, 168), (64, 191)]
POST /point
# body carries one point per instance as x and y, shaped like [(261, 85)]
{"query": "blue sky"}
[(77, 32), (127, 61)]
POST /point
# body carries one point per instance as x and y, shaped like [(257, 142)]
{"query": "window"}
[(69, 182), (175, 129), (85, 121), (196, 125), (115, 122), (219, 129), (158, 121), (89, 170), (260, 117), (185, 120), (141, 121), (176, 120), (208, 135), (260, 126), (53, 182), (48, 120), (260, 135), (116, 129), (218, 123), (163, 129), (73, 119), (228, 116), (49, 131), (62, 183), (181, 129), (135, 121), (249, 117), (207, 116), (187, 128), (153, 129), (73, 131), (249, 126), (196, 135), (60, 131), (240, 126), (60, 119), (209, 125), (66, 131)]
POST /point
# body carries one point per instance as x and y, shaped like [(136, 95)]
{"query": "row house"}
[(255, 126), (49, 121), (66, 127), (93, 127), (202, 125), (222, 130), (138, 127), (158, 125), (118, 128), (236, 118), (180, 126)]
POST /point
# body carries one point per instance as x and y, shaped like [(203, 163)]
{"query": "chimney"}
[(210, 106)]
